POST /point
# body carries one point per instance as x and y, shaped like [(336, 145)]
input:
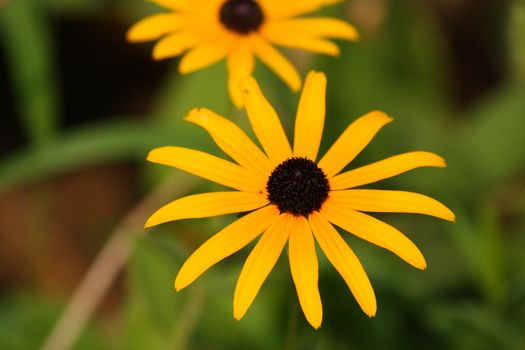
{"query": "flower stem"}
[(109, 262)]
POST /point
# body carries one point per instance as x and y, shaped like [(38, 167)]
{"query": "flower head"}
[(294, 199), (207, 31)]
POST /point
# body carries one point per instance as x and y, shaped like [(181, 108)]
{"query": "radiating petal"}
[(374, 231), (240, 66), (345, 262), (282, 9), (174, 45), (383, 201), (260, 262), (226, 242), (309, 122), (301, 42), (317, 27), (305, 270), (352, 141), (265, 122), (204, 55), (153, 27), (277, 62), (385, 168), (232, 140), (209, 167), (206, 205)]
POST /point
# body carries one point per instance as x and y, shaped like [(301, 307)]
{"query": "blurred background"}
[(80, 109)]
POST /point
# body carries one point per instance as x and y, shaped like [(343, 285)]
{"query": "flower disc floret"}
[(241, 16), (298, 186)]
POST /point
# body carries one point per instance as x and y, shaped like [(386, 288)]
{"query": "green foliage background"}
[(472, 296)]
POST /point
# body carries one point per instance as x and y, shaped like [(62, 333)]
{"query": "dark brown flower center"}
[(298, 186), (241, 16)]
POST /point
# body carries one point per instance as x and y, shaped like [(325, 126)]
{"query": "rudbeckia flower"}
[(207, 31), (294, 199)]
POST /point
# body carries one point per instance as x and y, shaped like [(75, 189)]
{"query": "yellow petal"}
[(282, 9), (204, 55), (345, 262), (386, 168), (265, 122), (206, 205), (232, 140), (317, 27), (309, 122), (174, 45), (305, 270), (352, 141), (382, 201), (270, 56), (240, 66), (226, 242), (304, 43), (260, 262), (209, 167), (374, 231), (153, 27)]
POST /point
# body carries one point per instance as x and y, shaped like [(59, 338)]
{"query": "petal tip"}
[(238, 314), (383, 115), (448, 215), (153, 220), (371, 310), (316, 324), (422, 265), (246, 84), (131, 36), (158, 55), (196, 115), (369, 306), (151, 155), (238, 104), (296, 86), (178, 285), (335, 52), (183, 67)]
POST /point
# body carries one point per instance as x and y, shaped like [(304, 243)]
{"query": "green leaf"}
[(470, 326), (27, 42), (494, 140), (113, 141)]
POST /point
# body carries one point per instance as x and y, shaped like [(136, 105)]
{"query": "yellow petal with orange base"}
[(206, 205), (385, 169), (226, 242), (260, 263), (374, 231), (345, 262), (305, 270)]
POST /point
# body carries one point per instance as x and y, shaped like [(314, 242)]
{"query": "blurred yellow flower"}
[(294, 199), (238, 30)]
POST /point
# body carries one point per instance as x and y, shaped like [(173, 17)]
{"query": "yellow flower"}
[(238, 30), (294, 199)]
